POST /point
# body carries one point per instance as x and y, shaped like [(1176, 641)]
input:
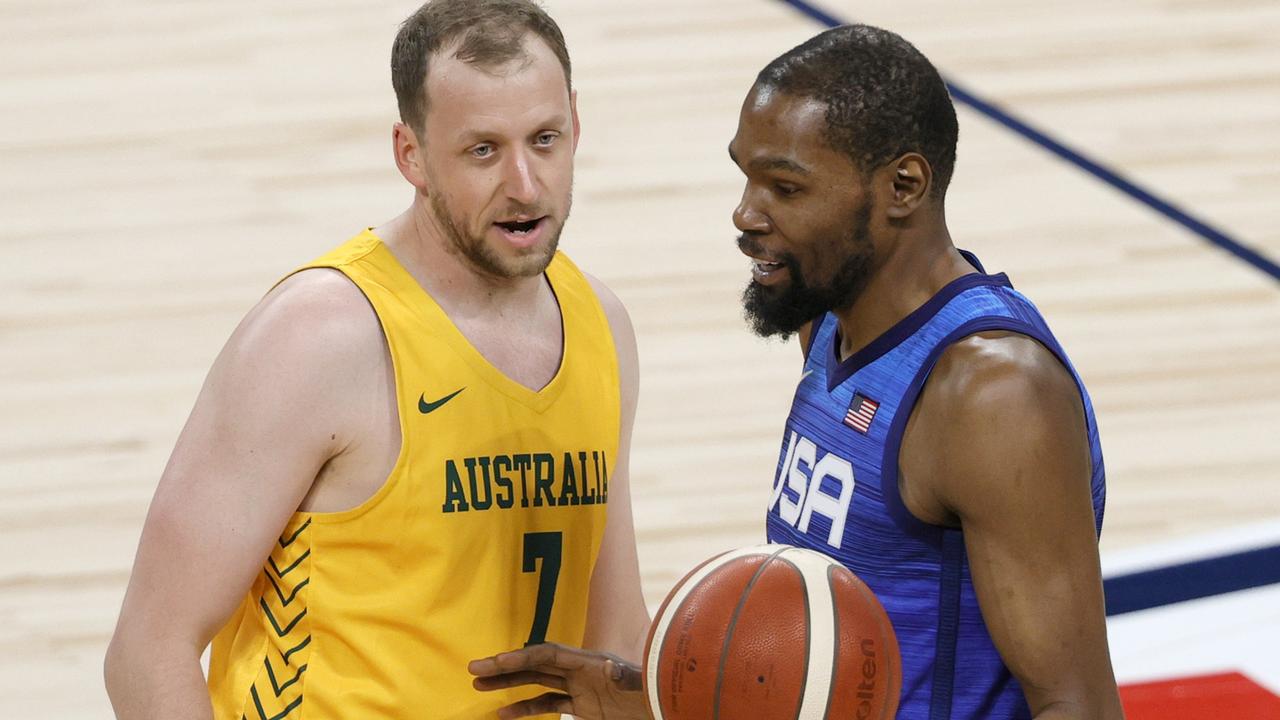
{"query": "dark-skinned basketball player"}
[(940, 444)]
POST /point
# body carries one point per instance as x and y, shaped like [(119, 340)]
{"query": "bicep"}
[(260, 430), (1018, 480), (1033, 556)]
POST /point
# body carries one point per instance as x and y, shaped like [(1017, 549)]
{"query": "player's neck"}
[(422, 247), (914, 270)]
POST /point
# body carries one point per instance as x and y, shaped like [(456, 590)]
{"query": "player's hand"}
[(588, 684)]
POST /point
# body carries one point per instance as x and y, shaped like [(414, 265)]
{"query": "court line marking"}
[(1192, 580)]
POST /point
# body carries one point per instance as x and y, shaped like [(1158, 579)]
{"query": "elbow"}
[(116, 668), (122, 666)]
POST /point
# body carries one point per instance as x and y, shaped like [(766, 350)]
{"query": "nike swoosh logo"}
[(806, 374), (425, 407)]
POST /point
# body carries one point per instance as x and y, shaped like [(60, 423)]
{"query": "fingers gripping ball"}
[(770, 632)]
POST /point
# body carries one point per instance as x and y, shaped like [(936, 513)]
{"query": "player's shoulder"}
[(1001, 374), (996, 406), (624, 336), (318, 299), (607, 297), (614, 310), (983, 358), (317, 316)]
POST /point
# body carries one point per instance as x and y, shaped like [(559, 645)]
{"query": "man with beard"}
[(940, 444), (413, 451)]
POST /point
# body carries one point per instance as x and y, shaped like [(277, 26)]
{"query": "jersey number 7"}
[(547, 546)]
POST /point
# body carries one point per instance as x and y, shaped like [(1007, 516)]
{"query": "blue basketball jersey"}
[(836, 491)]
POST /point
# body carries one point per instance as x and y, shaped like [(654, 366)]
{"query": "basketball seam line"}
[(660, 625), (733, 621), (808, 637), (835, 628)]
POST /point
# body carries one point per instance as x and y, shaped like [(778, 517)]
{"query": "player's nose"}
[(748, 219), (519, 178)]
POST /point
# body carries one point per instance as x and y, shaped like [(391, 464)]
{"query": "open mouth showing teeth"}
[(519, 228), (766, 266)]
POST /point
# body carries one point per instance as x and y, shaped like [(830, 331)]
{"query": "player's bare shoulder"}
[(312, 347), (613, 308), (317, 347), (993, 401), (624, 334), (1001, 373), (322, 310)]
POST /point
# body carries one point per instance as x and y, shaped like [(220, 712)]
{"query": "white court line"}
[(1239, 632), (1234, 632)]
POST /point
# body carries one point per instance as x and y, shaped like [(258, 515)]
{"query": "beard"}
[(530, 262), (781, 311)]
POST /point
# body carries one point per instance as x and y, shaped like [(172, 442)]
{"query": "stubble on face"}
[(476, 250)]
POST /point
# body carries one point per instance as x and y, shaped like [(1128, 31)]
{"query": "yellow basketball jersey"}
[(482, 539)]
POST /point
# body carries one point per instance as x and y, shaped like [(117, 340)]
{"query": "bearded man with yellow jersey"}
[(413, 451)]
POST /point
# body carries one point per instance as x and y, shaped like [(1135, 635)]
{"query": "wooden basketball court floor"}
[(162, 163)]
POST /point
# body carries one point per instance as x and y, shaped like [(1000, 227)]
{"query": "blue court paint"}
[(1192, 580), (1090, 166)]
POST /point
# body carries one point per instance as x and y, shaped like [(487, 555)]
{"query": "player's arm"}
[(617, 619), (270, 414), (1003, 426)]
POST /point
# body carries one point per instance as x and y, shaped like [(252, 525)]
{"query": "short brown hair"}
[(491, 32)]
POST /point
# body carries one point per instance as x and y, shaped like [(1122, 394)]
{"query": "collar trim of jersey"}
[(838, 372)]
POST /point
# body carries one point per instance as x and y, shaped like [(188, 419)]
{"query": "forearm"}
[(641, 638), (625, 640), (150, 683), (618, 625)]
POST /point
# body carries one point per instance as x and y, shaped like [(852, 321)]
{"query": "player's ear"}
[(573, 111), (910, 179), (409, 155)]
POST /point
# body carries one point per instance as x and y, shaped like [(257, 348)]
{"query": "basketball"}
[(771, 631)]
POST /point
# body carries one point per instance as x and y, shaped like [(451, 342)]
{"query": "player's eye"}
[(785, 189), (482, 151), (546, 139)]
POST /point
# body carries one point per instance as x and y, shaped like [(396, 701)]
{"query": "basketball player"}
[(940, 444), (413, 451)]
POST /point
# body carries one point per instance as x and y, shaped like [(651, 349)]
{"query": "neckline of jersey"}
[(838, 372), (536, 400)]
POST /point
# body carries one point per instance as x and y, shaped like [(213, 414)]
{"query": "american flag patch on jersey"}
[(861, 412)]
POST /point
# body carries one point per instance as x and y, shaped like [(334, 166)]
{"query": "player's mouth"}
[(522, 232), (766, 270)]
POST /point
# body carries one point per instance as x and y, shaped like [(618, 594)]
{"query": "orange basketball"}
[(768, 632)]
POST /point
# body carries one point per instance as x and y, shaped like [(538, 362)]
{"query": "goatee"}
[(781, 311)]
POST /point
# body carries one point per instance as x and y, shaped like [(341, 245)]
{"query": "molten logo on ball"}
[(867, 688)]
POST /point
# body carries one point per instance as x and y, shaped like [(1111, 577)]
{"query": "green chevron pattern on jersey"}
[(278, 689)]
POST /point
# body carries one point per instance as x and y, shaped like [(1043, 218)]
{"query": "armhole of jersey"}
[(612, 349), (948, 629), (569, 273), (896, 507), (389, 481)]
